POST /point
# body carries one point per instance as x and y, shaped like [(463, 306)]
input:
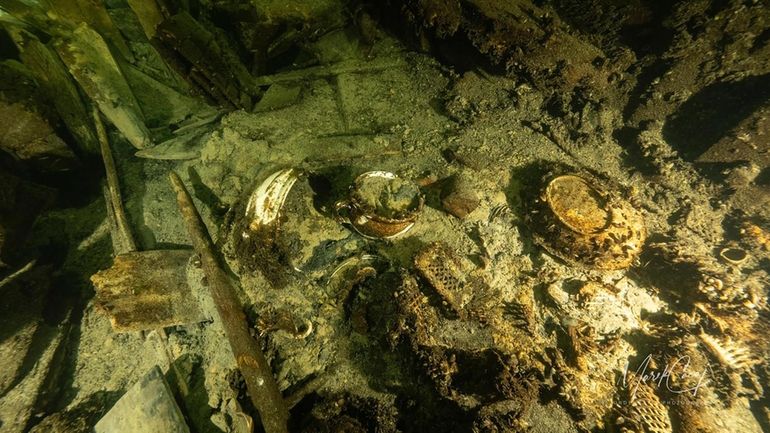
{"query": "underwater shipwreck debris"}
[(733, 255), (381, 205), (257, 235), (263, 389), (463, 295), (471, 377), (90, 61), (641, 409), (142, 290), (353, 271), (149, 15), (755, 235), (55, 81), (146, 290), (265, 203), (736, 359), (469, 336), (205, 61), (284, 320), (148, 406), (524, 37), (584, 220), (28, 136), (694, 277), (459, 197), (586, 393), (349, 413), (707, 393)]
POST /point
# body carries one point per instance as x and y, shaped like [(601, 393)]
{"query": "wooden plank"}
[(52, 76), (147, 290), (93, 13), (89, 60), (149, 14)]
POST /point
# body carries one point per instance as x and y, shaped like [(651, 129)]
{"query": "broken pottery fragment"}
[(149, 406), (458, 197), (381, 205), (256, 236), (280, 232), (582, 219), (265, 203)]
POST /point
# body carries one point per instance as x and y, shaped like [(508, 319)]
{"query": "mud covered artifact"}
[(381, 205), (453, 216), (584, 219), (258, 232)]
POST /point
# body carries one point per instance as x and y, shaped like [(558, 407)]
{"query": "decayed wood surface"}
[(141, 290), (147, 290), (90, 61), (52, 76), (113, 185)]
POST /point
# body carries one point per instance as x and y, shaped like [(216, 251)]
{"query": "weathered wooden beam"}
[(57, 84), (149, 14), (205, 60), (113, 185), (89, 60), (93, 13), (261, 384)]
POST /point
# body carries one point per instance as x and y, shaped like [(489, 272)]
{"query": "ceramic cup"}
[(380, 205)]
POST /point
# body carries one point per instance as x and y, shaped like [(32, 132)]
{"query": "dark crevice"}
[(644, 79), (711, 113)]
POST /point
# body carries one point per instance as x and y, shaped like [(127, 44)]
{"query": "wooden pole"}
[(113, 186), (260, 383)]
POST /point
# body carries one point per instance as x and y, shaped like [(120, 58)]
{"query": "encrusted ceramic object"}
[(642, 409), (265, 203), (381, 205), (278, 231), (582, 219), (256, 236), (463, 295)]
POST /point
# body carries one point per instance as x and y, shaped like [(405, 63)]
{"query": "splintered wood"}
[(135, 291)]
